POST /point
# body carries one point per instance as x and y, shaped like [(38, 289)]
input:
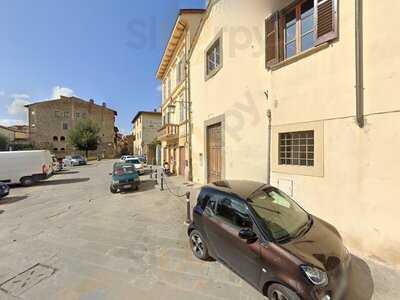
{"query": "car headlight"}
[(316, 276)]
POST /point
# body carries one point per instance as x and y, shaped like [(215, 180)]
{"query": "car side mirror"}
[(248, 234)]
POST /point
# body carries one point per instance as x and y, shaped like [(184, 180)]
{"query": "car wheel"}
[(27, 181), (280, 292), (113, 189), (198, 246)]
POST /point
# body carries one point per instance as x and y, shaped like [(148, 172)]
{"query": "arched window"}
[(55, 149), (62, 149), (55, 139), (62, 139)]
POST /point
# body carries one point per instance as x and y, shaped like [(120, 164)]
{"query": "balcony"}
[(169, 132)]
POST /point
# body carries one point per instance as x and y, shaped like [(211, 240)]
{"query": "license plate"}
[(128, 186)]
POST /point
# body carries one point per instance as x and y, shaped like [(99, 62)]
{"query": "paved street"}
[(72, 239)]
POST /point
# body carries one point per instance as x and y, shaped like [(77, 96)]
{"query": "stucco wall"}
[(236, 91)]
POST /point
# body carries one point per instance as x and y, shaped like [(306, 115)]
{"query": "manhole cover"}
[(27, 279)]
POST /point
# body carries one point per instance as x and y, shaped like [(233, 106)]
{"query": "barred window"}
[(296, 148)]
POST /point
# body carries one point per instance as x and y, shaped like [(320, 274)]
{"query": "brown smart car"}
[(265, 237)]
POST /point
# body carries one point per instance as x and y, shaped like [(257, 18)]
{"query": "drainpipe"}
[(269, 115), (189, 108), (359, 64)]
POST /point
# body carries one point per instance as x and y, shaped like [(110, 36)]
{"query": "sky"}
[(107, 50)]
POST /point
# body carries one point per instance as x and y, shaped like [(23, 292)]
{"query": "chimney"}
[(91, 101), (104, 104)]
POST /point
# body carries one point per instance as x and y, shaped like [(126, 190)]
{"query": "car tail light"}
[(44, 169)]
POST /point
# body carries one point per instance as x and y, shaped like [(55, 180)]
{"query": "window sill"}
[(299, 56), (213, 72)]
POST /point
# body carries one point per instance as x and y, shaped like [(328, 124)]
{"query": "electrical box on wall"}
[(286, 185)]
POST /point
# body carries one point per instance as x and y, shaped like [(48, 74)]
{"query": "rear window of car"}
[(76, 157)]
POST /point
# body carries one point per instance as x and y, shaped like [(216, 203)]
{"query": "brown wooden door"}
[(214, 153), (182, 161)]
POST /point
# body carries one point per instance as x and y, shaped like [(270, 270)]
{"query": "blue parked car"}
[(4, 190), (124, 177)]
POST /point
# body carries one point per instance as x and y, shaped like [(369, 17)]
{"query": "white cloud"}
[(159, 88), (17, 106), (11, 122), (62, 91)]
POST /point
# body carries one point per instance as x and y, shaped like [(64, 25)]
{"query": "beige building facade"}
[(145, 130), (50, 122), (15, 138), (275, 97), (173, 72)]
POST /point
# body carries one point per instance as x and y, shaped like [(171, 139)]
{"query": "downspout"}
[(359, 64), (189, 110), (269, 115)]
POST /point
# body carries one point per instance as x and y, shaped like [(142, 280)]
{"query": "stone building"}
[(51, 120), (15, 138), (145, 131)]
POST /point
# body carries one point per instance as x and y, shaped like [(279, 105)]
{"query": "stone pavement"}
[(70, 238)]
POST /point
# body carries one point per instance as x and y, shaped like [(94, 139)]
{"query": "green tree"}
[(3, 143), (84, 136)]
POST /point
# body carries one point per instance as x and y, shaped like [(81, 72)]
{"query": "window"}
[(55, 139), (65, 126), (55, 149), (182, 109), (77, 115), (62, 149), (57, 114), (62, 139), (296, 148), (66, 114), (169, 85), (179, 72), (214, 58), (234, 212), (300, 27)]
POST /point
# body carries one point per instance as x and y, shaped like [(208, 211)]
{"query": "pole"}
[(161, 181), (151, 172), (188, 219), (269, 115)]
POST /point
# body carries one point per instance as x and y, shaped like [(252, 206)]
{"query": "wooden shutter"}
[(326, 21), (271, 40)]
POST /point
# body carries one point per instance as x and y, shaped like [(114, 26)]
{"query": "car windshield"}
[(281, 217), (76, 157)]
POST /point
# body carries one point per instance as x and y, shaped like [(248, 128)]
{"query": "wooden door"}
[(182, 161), (214, 153)]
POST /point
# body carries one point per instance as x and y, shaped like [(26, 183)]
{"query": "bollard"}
[(151, 172), (188, 219), (161, 181)]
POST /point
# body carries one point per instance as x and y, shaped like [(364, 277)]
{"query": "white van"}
[(25, 167)]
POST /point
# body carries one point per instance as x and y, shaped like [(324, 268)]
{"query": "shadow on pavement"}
[(9, 200), (67, 172), (361, 284), (147, 185), (62, 181)]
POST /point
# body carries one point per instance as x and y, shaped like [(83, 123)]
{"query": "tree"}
[(84, 136), (3, 143)]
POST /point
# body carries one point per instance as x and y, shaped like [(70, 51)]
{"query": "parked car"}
[(4, 190), (125, 157), (75, 160), (25, 167), (138, 165), (124, 177), (142, 160), (270, 241)]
